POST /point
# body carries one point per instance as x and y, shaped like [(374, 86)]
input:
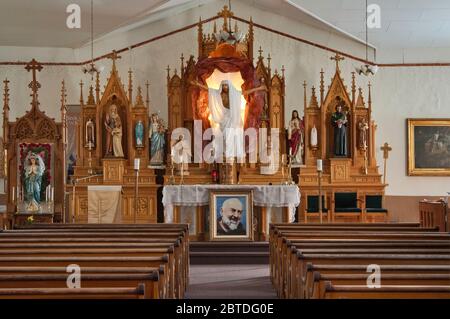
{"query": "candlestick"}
[(137, 163), (319, 165)]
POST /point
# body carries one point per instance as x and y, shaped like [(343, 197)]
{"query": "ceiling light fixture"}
[(92, 68), (367, 68)]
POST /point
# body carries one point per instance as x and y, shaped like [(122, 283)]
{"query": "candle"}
[(137, 162), (53, 194), (319, 165), (13, 193)]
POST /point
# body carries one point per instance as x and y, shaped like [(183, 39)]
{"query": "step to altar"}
[(229, 253)]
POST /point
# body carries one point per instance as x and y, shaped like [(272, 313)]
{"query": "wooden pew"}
[(320, 280), (281, 240), (75, 237), (299, 269), (81, 293), (331, 291), (327, 269), (281, 255), (105, 280)]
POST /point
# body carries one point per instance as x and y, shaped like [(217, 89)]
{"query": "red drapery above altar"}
[(255, 101)]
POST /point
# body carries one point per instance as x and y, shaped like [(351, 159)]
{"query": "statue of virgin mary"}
[(34, 170)]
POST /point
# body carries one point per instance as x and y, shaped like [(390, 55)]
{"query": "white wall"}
[(398, 93)]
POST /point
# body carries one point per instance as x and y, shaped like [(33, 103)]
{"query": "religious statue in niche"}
[(139, 134), (113, 126), (339, 120), (181, 154), (265, 112), (295, 136), (314, 141), (157, 140), (363, 127), (225, 106), (90, 134), (34, 170)]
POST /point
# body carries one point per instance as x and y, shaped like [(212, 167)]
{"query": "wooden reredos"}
[(34, 127)]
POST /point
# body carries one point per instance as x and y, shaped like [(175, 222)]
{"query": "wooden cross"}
[(337, 58), (386, 148), (114, 56), (226, 14), (34, 85)]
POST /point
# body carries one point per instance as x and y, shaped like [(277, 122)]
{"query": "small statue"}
[(34, 170), (157, 140), (363, 127), (90, 134), (339, 121), (139, 134), (295, 136), (113, 126), (181, 154), (314, 140)]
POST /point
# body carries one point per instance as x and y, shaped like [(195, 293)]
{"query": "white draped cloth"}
[(198, 195), (228, 121)]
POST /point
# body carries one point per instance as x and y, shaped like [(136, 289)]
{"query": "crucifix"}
[(34, 85), (386, 148), (114, 56), (338, 59)]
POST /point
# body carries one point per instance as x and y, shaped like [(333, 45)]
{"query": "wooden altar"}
[(186, 104), (352, 178), (34, 132), (96, 165)]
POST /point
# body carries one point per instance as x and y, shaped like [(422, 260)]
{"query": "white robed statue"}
[(226, 102)]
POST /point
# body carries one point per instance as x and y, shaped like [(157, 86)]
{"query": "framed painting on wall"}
[(231, 215), (428, 147)]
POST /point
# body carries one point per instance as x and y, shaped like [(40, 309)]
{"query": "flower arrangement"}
[(30, 220)]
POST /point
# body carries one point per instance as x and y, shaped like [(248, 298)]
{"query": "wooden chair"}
[(312, 208), (345, 208), (374, 211)]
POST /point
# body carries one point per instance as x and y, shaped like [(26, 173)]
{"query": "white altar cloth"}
[(198, 195)]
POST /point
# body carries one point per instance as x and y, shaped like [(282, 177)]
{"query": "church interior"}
[(217, 149)]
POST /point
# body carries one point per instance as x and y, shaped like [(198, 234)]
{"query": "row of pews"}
[(332, 261), (112, 261)]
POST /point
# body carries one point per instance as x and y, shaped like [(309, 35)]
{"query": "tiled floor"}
[(230, 282)]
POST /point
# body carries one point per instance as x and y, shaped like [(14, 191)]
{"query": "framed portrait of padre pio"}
[(429, 147), (231, 215)]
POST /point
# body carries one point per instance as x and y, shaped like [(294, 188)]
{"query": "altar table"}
[(188, 203)]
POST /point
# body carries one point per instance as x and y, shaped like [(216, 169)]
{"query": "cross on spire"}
[(260, 52), (114, 56), (337, 58), (34, 85), (226, 14)]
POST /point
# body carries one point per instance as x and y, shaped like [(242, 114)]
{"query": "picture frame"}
[(226, 204), (428, 147)]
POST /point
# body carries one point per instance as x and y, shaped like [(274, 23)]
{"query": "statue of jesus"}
[(225, 106)]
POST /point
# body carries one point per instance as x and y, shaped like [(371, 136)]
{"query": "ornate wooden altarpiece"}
[(186, 104), (33, 128), (357, 172), (109, 170), (264, 109)]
